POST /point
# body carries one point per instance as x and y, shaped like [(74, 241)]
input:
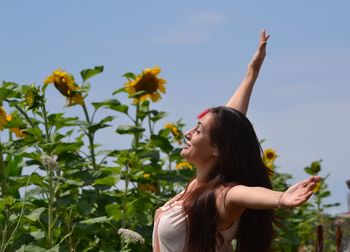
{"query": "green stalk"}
[(124, 201), (50, 210), (137, 134), (3, 174), (51, 186), (90, 137), (3, 178), (46, 123), (149, 122), (24, 114), (169, 165), (125, 195)]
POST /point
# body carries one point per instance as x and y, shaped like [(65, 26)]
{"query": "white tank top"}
[(169, 232)]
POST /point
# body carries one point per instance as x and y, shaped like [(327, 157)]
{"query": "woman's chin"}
[(184, 153)]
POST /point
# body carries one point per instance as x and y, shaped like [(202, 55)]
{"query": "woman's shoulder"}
[(227, 213)]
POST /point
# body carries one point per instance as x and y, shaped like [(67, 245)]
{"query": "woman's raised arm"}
[(240, 99), (262, 198)]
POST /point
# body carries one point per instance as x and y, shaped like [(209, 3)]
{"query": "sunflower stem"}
[(149, 121), (46, 124), (125, 194), (90, 136), (3, 178), (50, 207), (137, 134), (24, 114)]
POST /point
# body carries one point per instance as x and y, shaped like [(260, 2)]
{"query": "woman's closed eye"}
[(196, 130)]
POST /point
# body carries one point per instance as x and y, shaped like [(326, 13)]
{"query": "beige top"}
[(169, 232)]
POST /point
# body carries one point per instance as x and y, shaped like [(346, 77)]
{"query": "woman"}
[(231, 196)]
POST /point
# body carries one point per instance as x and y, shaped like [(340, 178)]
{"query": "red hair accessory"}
[(203, 113)]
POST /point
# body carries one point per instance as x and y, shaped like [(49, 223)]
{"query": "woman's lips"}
[(187, 145)]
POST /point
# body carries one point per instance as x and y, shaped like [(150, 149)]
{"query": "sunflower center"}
[(270, 155), (29, 99), (148, 83)]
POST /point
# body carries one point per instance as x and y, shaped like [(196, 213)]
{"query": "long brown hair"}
[(239, 162)]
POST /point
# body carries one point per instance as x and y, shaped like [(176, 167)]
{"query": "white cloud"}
[(182, 37), (193, 30), (209, 18)]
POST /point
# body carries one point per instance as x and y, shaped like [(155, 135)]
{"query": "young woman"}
[(231, 196)]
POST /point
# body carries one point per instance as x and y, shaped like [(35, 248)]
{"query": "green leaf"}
[(91, 221), (38, 234), (7, 201), (113, 104), (114, 211), (35, 214), (324, 194), (88, 73), (161, 142), (31, 248), (33, 179), (156, 115), (8, 90), (101, 124), (129, 75), (14, 165), (119, 91), (62, 147), (107, 181), (59, 121), (129, 129)]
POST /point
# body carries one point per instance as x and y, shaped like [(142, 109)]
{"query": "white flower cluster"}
[(49, 161), (131, 236)]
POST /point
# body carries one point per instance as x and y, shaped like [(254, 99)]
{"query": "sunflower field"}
[(63, 191)]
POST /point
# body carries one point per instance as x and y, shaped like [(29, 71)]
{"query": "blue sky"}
[(300, 103)]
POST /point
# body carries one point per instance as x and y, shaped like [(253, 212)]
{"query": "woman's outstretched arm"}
[(240, 99), (263, 198)]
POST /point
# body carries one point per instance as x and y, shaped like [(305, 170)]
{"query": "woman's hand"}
[(240, 99), (258, 58), (298, 193)]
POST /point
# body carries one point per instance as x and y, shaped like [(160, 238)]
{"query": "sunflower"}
[(3, 119), (32, 98), (269, 155), (147, 84), (317, 188), (174, 131), (183, 165), (18, 132), (64, 82)]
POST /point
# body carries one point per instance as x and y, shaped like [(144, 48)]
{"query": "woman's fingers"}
[(263, 37)]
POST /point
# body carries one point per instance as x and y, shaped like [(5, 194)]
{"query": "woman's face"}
[(198, 148)]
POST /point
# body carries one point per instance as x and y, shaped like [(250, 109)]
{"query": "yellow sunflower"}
[(148, 83), (183, 165), (18, 132), (32, 98), (3, 119), (269, 155), (64, 82), (174, 131), (317, 187)]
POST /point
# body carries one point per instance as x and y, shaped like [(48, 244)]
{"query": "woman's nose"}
[(188, 134)]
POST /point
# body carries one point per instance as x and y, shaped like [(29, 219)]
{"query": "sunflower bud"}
[(32, 98)]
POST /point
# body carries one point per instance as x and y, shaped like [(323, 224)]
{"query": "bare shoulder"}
[(227, 211), (230, 195)]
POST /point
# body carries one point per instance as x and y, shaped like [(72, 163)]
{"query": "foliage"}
[(297, 228), (81, 197), (73, 200)]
